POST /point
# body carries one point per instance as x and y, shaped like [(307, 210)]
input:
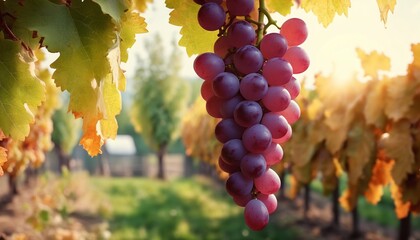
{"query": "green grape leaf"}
[(373, 62), (195, 39), (326, 10), (398, 146), (132, 24), (283, 7), (384, 7), (115, 8), (83, 35), (20, 92)]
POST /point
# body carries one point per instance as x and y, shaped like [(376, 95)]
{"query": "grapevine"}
[(249, 85)]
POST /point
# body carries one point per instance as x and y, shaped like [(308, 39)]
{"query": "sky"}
[(331, 49)]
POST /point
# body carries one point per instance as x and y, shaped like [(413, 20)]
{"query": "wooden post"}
[(404, 231)]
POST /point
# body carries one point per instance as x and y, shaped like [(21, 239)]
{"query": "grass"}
[(180, 209)]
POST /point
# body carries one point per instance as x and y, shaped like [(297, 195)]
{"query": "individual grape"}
[(213, 106), (207, 90), (241, 33), (228, 106), (270, 201), (285, 138), (238, 185), (277, 71), (227, 130), (227, 167), (240, 7), (253, 165), (295, 31), (268, 183), (248, 59), (208, 65), (233, 151), (273, 45), (293, 87), (298, 58), (291, 113), (242, 200), (225, 85), (222, 46), (211, 16), (256, 215), (276, 123), (247, 113), (257, 138), (253, 86), (277, 99), (273, 154)]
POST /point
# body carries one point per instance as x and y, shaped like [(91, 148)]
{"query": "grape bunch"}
[(249, 85)]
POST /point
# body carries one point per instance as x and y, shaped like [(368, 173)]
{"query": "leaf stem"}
[(261, 14)]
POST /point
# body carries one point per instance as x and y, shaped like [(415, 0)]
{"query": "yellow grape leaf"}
[(20, 91), (415, 49), (133, 24), (381, 176), (349, 198), (140, 5), (326, 10), (373, 62), (400, 95), (398, 146), (195, 39), (283, 7), (111, 107), (375, 104), (328, 170), (384, 7), (359, 151), (401, 208), (3, 153)]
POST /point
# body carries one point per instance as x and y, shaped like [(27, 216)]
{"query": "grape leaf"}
[(381, 176), (111, 107), (20, 92), (133, 24), (398, 146), (373, 62), (326, 10), (375, 104), (415, 49), (195, 39), (83, 62), (400, 95), (384, 7), (140, 5), (3, 153), (282, 7), (359, 151), (115, 8), (401, 208)]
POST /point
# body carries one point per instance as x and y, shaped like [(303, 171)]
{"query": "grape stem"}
[(262, 28)]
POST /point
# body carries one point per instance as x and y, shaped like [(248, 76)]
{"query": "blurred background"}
[(159, 178)]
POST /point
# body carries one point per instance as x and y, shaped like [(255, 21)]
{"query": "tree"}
[(160, 99), (64, 136)]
